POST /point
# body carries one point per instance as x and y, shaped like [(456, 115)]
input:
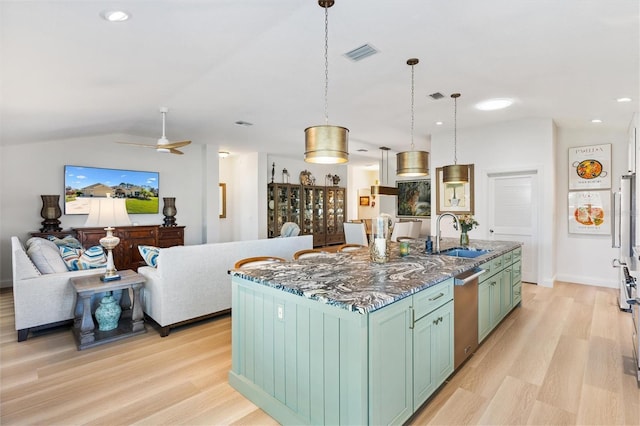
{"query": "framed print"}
[(222, 200), (364, 201), (454, 197), (590, 212), (590, 167), (414, 198)]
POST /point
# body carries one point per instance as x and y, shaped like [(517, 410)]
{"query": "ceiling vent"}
[(359, 53), (436, 96)]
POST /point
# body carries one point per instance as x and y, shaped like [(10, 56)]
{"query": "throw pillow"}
[(149, 254), (66, 241), (77, 259), (45, 255)]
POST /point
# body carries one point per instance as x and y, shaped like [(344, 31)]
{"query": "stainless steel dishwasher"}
[(465, 315)]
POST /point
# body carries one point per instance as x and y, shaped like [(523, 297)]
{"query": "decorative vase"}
[(380, 239), (169, 211), (108, 313), (50, 213), (464, 238)]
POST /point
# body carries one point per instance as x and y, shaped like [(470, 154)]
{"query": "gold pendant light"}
[(382, 189), (412, 163), (455, 173), (326, 144)]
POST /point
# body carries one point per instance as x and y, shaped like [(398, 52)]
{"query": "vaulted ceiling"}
[(67, 73)]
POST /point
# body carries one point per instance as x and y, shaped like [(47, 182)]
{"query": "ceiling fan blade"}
[(137, 144), (176, 144), (175, 151)]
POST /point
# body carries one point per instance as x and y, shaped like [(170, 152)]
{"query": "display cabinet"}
[(318, 210), (314, 214), (284, 205), (335, 207)]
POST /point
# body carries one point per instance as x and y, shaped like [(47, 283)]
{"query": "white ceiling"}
[(67, 73)]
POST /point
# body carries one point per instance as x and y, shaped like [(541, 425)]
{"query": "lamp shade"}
[(106, 212), (326, 144), (455, 173), (412, 163)]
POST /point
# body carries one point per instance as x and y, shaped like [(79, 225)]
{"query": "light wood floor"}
[(564, 357)]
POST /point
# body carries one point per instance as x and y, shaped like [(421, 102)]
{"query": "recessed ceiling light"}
[(439, 123), (115, 15), (362, 150), (223, 154), (596, 120), (243, 123), (494, 104), (625, 99)]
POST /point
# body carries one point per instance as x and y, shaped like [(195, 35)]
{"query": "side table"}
[(131, 320)]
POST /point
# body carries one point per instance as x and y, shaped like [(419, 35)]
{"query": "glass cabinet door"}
[(335, 215), (284, 205)]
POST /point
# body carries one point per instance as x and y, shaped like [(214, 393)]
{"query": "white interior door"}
[(513, 215)]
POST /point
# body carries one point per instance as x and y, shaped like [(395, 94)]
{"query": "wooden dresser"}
[(126, 254)]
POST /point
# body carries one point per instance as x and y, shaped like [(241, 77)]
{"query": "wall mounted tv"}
[(140, 189)]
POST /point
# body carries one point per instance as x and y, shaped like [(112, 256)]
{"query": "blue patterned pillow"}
[(66, 241), (77, 259), (149, 254)]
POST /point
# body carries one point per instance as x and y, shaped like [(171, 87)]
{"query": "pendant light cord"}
[(326, 65), (412, 108), (455, 97)]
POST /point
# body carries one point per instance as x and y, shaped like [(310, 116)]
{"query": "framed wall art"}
[(454, 197), (414, 198), (590, 167), (590, 212)]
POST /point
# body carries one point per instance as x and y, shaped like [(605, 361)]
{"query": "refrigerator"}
[(624, 234)]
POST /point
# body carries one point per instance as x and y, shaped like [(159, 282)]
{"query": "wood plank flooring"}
[(562, 358)]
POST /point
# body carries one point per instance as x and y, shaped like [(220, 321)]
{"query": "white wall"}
[(586, 259), (523, 144), (29, 170)]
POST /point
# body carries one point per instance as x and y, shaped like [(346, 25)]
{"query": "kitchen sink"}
[(462, 252)]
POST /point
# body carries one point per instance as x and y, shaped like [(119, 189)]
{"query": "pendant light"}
[(379, 189), (455, 173), (326, 144), (412, 163)]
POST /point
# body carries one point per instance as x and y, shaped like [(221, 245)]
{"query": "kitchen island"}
[(337, 339)]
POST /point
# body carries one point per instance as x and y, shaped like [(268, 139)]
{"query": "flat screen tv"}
[(140, 189)]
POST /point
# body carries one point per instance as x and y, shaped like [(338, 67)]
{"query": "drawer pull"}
[(436, 298)]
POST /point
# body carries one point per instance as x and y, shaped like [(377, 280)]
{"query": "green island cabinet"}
[(499, 290), (307, 362)]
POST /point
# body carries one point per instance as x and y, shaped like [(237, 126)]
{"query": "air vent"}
[(359, 53), (436, 96), (243, 123)]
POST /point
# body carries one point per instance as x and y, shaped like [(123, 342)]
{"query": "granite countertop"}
[(351, 281)]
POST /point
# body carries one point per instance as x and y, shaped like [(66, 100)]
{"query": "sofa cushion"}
[(45, 255), (77, 259), (66, 241), (149, 254)]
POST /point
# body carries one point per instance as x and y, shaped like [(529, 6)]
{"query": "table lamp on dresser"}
[(108, 212)]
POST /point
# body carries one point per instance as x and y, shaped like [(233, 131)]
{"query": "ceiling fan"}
[(163, 145)]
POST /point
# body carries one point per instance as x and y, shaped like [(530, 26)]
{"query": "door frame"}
[(537, 172)]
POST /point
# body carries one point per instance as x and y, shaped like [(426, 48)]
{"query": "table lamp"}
[(108, 212)]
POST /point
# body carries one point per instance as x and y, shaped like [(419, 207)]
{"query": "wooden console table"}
[(131, 320)]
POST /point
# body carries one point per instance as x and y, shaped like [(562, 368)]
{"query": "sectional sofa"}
[(191, 282)]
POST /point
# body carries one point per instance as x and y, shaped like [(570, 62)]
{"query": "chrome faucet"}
[(456, 225)]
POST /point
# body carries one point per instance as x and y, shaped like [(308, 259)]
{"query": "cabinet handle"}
[(412, 317), (508, 269), (436, 298), (493, 283)]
